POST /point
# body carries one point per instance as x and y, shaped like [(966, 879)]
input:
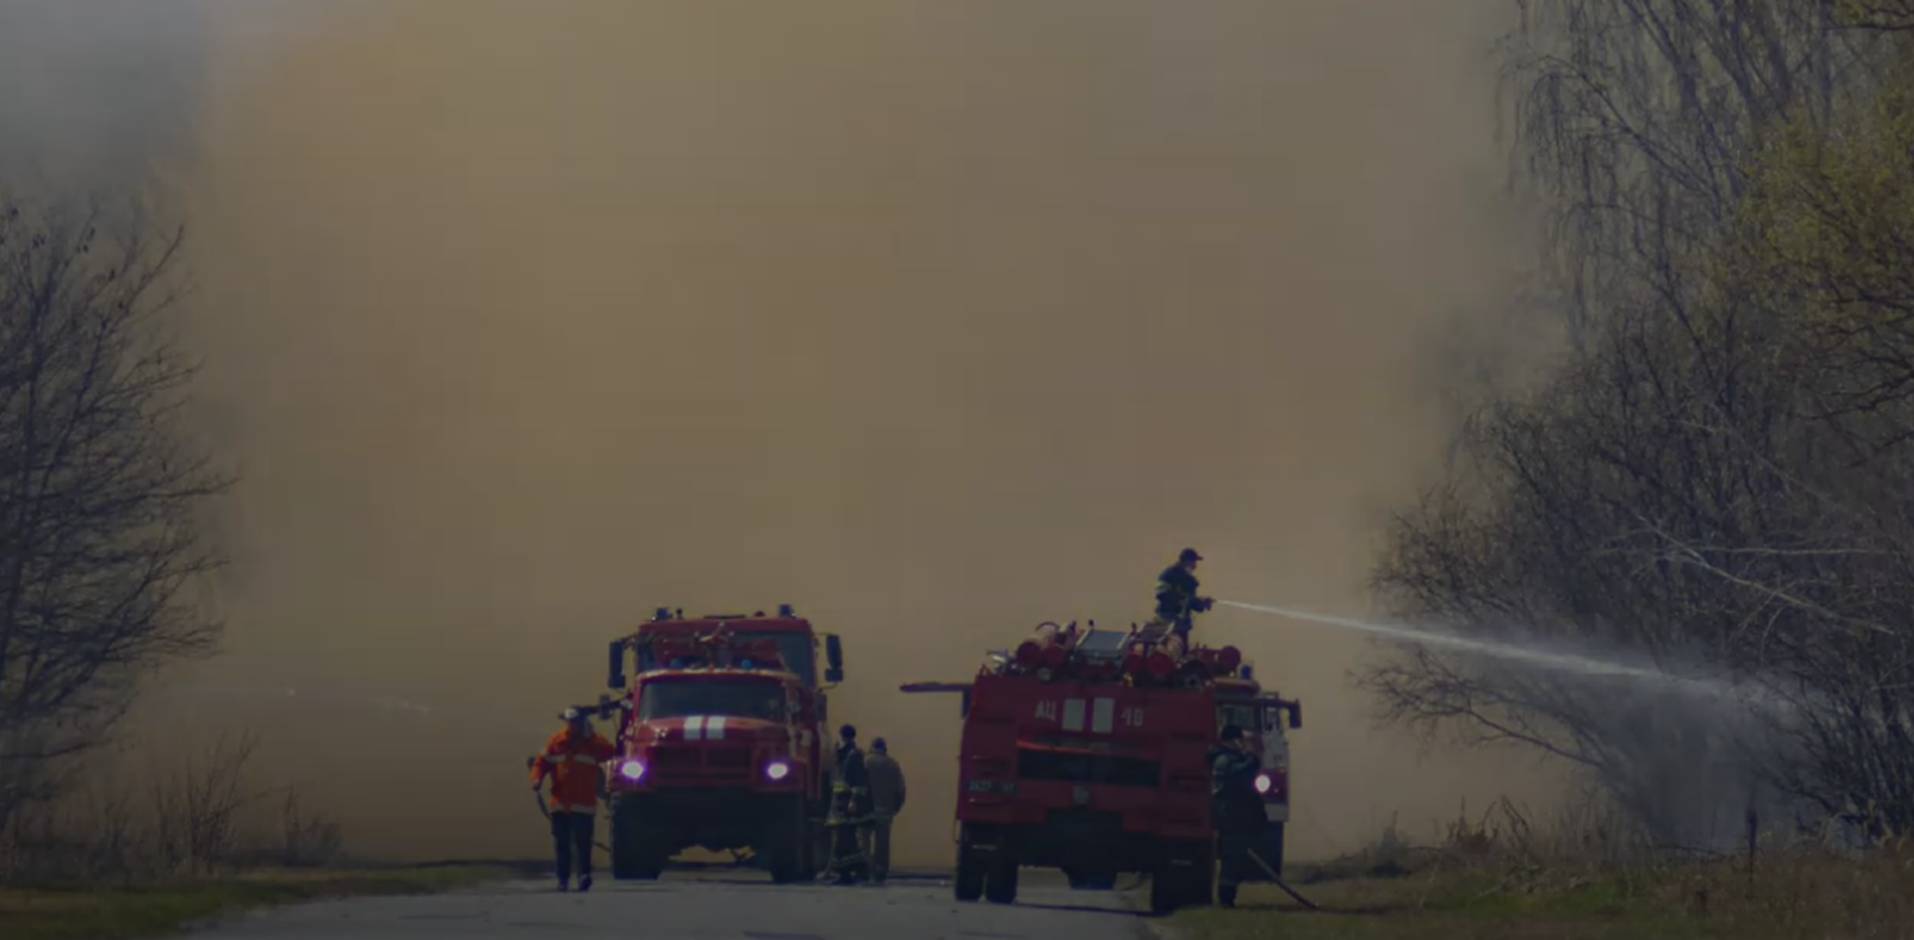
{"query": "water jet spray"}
[(1565, 662)]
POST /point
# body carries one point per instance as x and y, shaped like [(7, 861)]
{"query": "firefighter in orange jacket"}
[(571, 760)]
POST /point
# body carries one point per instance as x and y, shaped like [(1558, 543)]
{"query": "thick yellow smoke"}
[(933, 319)]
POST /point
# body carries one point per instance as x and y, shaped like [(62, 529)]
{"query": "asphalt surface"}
[(730, 906)]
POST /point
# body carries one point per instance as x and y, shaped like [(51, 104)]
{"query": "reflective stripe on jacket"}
[(572, 765)]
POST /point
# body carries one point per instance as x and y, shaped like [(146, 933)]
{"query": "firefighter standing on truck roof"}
[(1176, 597), (850, 809), (887, 799), (571, 760), (1238, 809)]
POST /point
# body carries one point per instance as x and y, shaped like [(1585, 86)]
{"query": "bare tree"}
[(1715, 479), (196, 808), (100, 490)]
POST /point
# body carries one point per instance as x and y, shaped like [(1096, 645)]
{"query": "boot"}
[(584, 884)]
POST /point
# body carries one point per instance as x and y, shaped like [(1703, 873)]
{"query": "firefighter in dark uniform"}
[(850, 810), (1176, 597), (1238, 809)]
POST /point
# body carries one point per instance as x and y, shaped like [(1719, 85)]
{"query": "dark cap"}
[(877, 744), (1189, 554), (1232, 733), (847, 731)]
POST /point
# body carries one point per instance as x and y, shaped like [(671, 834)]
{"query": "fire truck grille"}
[(674, 759), (727, 759), (696, 763), (1107, 769)]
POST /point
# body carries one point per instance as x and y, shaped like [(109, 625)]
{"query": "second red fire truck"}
[(1088, 750)]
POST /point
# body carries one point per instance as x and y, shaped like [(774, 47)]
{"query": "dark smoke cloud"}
[(97, 91), (933, 319)]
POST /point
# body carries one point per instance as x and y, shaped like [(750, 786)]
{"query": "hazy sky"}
[(934, 319)]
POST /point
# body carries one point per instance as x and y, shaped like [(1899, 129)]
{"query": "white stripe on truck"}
[(694, 728), (1104, 717), (1073, 714), (714, 728)]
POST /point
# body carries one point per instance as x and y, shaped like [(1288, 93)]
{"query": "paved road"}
[(706, 907)]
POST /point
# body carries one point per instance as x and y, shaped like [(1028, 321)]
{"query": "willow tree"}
[(1713, 479)]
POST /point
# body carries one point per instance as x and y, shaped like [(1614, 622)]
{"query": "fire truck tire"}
[(1203, 876), (785, 850), (1172, 890), (1000, 882), (1178, 886), (968, 882), (1165, 891), (632, 855)]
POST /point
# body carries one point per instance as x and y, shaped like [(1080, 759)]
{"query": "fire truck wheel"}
[(1164, 891), (785, 850), (1203, 876), (632, 857), (969, 880), (1176, 886), (1000, 882)]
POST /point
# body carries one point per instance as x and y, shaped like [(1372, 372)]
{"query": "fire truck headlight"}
[(1263, 783), (633, 770), (777, 770)]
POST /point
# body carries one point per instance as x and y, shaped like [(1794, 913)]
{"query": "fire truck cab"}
[(722, 743), (1089, 752), (1240, 701)]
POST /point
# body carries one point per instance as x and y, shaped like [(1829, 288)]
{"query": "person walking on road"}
[(571, 760), (1238, 809), (850, 807), (887, 800)]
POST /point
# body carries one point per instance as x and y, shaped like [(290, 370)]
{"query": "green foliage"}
[(1828, 239), (1714, 480)]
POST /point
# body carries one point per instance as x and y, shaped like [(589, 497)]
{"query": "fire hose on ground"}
[(1278, 879)]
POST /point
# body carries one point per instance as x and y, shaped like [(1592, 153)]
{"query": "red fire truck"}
[(722, 744), (1088, 751)]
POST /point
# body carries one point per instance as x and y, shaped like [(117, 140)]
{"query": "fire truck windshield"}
[(1245, 715), (679, 698), (793, 647)]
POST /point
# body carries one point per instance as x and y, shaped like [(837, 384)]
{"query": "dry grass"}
[(1500, 877), (144, 847), (196, 813)]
